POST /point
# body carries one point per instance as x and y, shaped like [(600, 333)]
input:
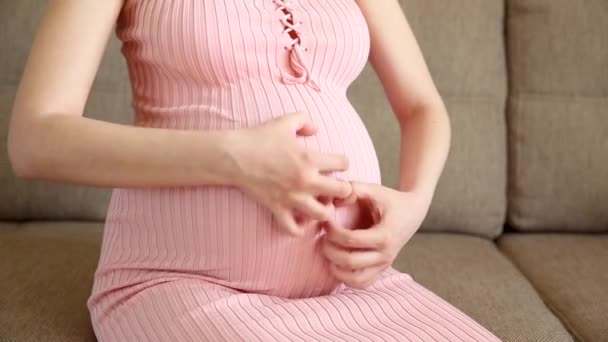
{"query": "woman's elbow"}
[(22, 154), (431, 108)]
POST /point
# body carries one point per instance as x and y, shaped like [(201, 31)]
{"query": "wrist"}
[(421, 190), (223, 162), (423, 195), (234, 152)]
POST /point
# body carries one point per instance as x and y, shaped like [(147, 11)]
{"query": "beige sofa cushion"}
[(558, 114), (46, 278), (109, 100), (463, 43), (47, 273), (474, 276), (569, 272)]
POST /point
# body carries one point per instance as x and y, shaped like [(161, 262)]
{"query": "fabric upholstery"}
[(109, 101), (46, 278), (463, 44), (486, 287), (474, 276), (569, 272), (558, 121)]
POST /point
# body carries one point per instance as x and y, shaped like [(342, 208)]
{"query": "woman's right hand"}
[(277, 171)]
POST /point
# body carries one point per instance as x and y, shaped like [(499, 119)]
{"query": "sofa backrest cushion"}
[(558, 115)]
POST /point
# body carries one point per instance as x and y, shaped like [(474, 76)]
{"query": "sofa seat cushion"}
[(48, 271), (46, 278), (474, 276), (570, 273)]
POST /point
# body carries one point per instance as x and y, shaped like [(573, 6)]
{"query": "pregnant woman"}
[(246, 202)]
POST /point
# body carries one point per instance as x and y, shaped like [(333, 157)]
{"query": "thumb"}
[(348, 200), (359, 192), (363, 190)]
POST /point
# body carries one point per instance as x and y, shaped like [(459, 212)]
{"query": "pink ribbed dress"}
[(207, 263)]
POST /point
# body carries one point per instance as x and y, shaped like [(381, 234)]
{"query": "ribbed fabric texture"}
[(205, 263)]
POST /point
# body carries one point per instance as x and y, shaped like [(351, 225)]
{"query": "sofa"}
[(517, 235)]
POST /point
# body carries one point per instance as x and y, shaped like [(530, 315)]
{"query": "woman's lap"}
[(395, 308)]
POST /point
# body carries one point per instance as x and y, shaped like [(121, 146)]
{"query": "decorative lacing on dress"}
[(296, 51)]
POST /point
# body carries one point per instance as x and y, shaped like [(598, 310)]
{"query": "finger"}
[(348, 200), (363, 192), (359, 279), (327, 186), (352, 259), (311, 207), (325, 200), (369, 191), (298, 123), (329, 162), (301, 219), (372, 238), (307, 130), (287, 221)]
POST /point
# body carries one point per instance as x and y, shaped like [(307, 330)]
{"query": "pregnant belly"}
[(223, 236), (219, 234)]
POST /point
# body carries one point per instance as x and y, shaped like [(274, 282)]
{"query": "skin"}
[(50, 139)]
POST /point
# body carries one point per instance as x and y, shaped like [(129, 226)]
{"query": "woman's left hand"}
[(358, 256)]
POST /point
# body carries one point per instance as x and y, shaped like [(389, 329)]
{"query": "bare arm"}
[(358, 256), (50, 139), (398, 61)]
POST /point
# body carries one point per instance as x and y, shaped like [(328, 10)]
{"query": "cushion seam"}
[(556, 96)]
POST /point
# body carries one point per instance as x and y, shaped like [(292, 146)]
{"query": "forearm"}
[(80, 150), (425, 141)]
